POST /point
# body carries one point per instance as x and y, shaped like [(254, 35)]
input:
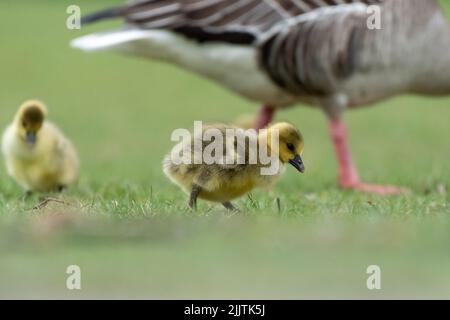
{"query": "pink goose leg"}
[(264, 117), (348, 175)]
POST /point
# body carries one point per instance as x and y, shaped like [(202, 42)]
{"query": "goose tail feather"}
[(107, 40)]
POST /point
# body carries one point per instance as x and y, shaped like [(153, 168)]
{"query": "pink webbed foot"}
[(348, 175), (373, 188)]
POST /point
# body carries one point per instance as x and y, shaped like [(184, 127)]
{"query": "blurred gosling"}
[(221, 182), (245, 121), (37, 154)]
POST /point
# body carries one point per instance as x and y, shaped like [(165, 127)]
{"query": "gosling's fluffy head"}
[(29, 120), (290, 145)]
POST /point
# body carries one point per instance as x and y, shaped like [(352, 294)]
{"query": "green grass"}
[(129, 229)]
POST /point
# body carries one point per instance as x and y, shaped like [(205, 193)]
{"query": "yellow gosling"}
[(221, 182), (37, 154)]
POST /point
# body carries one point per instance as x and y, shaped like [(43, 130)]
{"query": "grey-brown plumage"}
[(236, 21), (339, 61)]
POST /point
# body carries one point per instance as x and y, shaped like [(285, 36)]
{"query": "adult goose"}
[(283, 52)]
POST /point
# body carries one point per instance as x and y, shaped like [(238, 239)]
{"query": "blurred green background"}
[(129, 229)]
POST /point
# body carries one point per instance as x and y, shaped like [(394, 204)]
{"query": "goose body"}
[(282, 52), (37, 154)]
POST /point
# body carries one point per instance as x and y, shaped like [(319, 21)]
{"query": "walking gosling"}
[(221, 182), (37, 154)]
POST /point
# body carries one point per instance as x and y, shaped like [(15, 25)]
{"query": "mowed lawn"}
[(129, 228)]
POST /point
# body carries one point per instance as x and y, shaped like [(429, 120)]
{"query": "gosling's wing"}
[(225, 146), (234, 21)]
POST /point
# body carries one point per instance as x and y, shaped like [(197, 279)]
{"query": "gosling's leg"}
[(61, 188), (348, 175), (194, 195), (229, 206)]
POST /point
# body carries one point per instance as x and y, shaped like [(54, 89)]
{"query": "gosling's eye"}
[(291, 147)]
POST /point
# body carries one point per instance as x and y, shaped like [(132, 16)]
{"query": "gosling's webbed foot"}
[(229, 206)]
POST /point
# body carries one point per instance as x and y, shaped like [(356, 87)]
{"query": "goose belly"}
[(365, 89), (234, 66)]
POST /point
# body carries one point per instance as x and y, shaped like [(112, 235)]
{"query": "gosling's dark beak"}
[(297, 163), (30, 138)]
